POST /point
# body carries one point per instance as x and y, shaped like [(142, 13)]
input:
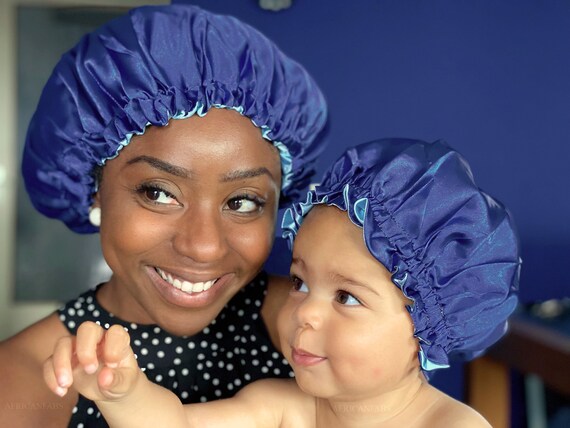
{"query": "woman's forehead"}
[(211, 138)]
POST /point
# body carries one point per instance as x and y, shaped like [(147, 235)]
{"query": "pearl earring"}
[(95, 216)]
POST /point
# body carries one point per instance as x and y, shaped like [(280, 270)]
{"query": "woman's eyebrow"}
[(246, 173), (161, 165)]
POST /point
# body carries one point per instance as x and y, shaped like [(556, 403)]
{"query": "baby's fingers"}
[(116, 348), (120, 372), (50, 380), (89, 336), (58, 368), (115, 383)]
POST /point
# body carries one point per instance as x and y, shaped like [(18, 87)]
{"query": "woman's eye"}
[(299, 285), (245, 204), (156, 195), (345, 298)]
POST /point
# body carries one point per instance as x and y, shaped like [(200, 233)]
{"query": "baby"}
[(400, 262)]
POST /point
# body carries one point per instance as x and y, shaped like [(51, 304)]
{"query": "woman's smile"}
[(181, 292), (184, 285)]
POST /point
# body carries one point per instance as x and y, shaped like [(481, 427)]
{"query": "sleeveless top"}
[(234, 350)]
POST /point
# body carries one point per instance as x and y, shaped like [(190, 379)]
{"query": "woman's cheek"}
[(255, 243)]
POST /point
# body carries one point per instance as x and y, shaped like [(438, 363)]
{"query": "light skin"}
[(344, 329), (195, 201)]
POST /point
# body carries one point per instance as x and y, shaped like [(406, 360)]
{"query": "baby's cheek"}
[(377, 372), (372, 361), (361, 373)]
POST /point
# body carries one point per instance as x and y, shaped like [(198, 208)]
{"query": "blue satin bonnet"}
[(152, 65), (452, 249)]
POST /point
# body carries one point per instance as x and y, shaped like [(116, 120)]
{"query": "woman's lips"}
[(172, 290), (303, 358), (186, 286)]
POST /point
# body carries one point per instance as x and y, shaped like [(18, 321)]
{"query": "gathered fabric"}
[(451, 248), (155, 64)]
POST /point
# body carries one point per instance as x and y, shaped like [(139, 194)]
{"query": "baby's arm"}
[(266, 403), (101, 366)]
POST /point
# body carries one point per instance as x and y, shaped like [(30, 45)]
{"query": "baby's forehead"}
[(324, 220), (328, 230)]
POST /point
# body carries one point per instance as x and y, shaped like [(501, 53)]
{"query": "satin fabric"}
[(452, 249), (147, 67)]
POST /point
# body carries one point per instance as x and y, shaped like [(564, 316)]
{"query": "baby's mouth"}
[(186, 286)]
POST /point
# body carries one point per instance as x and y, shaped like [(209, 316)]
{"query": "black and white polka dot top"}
[(231, 352)]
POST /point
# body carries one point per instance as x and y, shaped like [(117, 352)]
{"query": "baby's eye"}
[(299, 285), (345, 298), (156, 195), (245, 204)]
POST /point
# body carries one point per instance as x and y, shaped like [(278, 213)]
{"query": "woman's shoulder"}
[(35, 343), (24, 398), (278, 288), (449, 412), (277, 291)]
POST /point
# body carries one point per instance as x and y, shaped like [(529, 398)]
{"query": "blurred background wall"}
[(491, 78)]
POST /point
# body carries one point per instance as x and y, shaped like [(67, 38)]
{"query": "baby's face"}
[(344, 328)]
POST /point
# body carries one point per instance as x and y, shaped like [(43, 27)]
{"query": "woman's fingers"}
[(89, 336)]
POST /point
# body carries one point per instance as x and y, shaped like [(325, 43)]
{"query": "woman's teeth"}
[(186, 286)]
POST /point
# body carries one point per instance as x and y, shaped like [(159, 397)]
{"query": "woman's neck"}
[(117, 300)]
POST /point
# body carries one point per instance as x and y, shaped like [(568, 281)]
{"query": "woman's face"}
[(188, 217), (344, 328)]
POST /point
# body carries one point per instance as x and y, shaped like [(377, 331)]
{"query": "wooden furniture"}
[(531, 346)]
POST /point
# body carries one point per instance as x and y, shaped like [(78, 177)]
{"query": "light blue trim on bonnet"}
[(199, 109), (292, 221), (360, 208), (428, 365)]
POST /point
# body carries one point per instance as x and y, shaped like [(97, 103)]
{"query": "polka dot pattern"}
[(231, 352)]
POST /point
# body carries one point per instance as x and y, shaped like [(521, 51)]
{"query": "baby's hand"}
[(99, 363)]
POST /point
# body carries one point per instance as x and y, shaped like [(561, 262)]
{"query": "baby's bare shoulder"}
[(282, 392), (450, 413), (295, 408)]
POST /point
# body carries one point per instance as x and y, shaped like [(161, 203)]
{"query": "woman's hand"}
[(99, 363)]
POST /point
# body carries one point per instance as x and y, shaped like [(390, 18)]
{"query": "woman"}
[(176, 133)]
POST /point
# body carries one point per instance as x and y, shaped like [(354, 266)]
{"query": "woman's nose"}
[(200, 235)]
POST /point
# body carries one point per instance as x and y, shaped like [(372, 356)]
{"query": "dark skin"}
[(196, 199)]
